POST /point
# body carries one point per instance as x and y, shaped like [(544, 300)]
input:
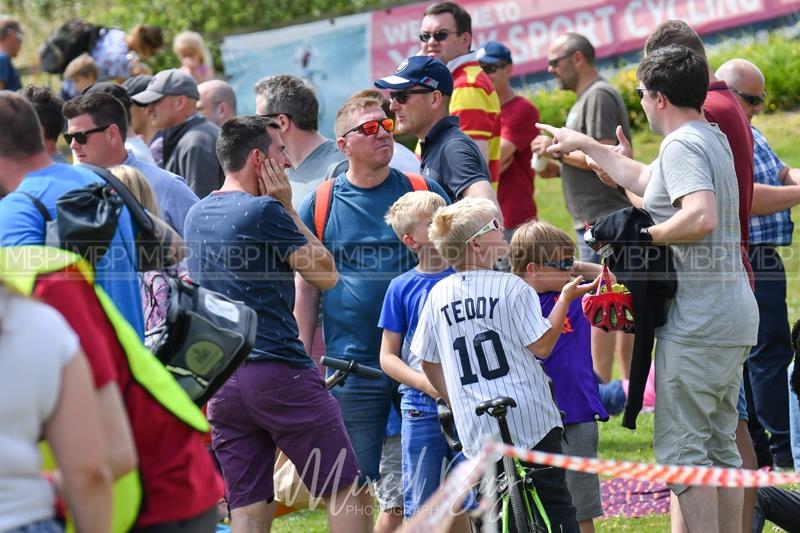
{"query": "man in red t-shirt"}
[(517, 129), (179, 481)]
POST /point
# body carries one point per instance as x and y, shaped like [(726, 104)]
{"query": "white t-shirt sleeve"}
[(527, 317), (423, 345)]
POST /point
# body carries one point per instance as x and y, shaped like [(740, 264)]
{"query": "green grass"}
[(617, 442)]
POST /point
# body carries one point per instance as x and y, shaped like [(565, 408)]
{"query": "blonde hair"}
[(536, 242), (83, 66), (191, 43), (350, 106), (454, 224), (410, 209), (139, 186)]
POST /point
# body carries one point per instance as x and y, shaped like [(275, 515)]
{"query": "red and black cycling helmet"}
[(610, 308)]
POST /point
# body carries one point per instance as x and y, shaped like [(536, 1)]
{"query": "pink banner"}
[(528, 27)]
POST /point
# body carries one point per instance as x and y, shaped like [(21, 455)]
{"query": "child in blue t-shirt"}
[(543, 256), (425, 452)]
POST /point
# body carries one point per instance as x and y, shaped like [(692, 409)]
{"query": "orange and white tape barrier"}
[(437, 512), (673, 474)]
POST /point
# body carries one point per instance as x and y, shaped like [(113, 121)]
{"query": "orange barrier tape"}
[(683, 475), (437, 509)]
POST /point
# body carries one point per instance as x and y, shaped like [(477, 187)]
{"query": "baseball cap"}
[(494, 52), (136, 84), (117, 91), (419, 70), (170, 82)]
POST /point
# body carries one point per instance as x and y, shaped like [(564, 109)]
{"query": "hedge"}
[(777, 56)]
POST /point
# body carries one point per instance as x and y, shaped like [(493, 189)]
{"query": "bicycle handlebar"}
[(349, 367)]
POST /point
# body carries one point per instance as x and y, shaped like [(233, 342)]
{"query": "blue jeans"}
[(771, 355), (426, 458), (42, 526), (365, 407), (794, 423)]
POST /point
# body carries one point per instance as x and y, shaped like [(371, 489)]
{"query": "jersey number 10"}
[(468, 375)]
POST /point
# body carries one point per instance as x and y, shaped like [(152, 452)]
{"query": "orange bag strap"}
[(323, 198)]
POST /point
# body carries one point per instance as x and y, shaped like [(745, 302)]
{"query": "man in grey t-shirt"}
[(597, 112), (291, 101), (691, 192)]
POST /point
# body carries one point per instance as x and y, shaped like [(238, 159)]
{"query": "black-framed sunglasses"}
[(438, 36), (563, 264), (491, 68), (371, 127), (402, 96), (639, 92), (751, 99), (556, 60), (82, 136)]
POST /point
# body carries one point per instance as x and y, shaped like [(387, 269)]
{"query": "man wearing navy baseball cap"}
[(517, 129), (420, 97)]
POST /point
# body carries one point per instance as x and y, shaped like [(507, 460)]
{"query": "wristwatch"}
[(645, 235)]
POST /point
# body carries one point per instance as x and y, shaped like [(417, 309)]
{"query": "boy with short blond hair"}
[(425, 452), (543, 256), (82, 71)]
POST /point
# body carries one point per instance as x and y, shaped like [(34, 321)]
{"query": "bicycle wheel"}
[(515, 498)]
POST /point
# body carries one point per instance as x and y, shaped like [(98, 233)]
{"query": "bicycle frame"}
[(533, 496)]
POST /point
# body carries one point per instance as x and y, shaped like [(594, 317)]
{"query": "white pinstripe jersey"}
[(477, 324)]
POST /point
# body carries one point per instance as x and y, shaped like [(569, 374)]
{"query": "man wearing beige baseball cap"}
[(189, 139)]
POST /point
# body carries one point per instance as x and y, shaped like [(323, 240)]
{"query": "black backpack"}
[(70, 40)]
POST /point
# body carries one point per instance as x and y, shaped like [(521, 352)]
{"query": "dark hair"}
[(239, 135), (678, 73), (21, 135), (461, 15), (7, 25), (291, 96), (48, 108), (675, 32), (117, 91), (575, 42), (102, 107), (149, 35)]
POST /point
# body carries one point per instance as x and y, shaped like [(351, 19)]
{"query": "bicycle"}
[(515, 483)]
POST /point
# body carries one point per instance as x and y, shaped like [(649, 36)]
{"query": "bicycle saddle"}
[(496, 406)]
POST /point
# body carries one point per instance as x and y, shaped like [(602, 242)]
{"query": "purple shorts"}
[(267, 405)]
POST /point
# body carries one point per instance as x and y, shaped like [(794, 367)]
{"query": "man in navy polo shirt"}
[(421, 90)]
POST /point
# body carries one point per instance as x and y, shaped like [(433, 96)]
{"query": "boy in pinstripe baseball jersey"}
[(477, 336)]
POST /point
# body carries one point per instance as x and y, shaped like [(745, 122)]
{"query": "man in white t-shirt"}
[(691, 192)]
